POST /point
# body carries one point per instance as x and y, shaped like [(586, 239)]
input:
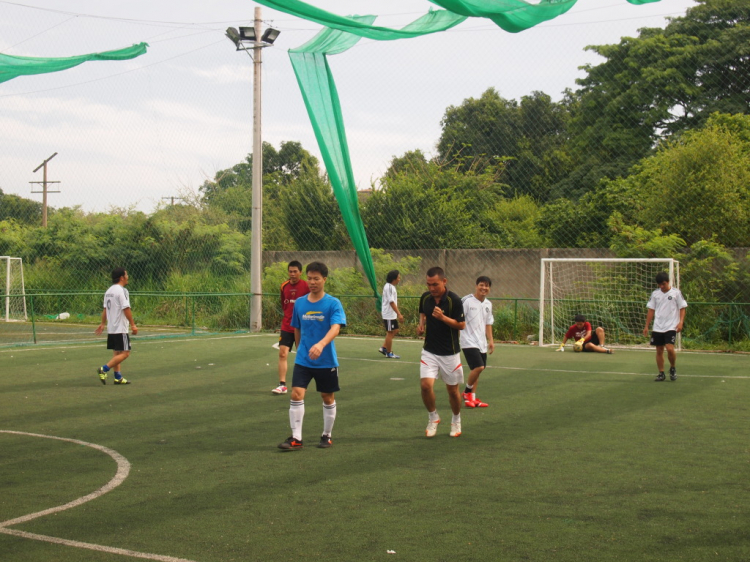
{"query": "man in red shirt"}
[(292, 289), (581, 332)]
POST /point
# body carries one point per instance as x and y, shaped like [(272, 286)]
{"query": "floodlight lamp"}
[(247, 34), (270, 35), (234, 36)]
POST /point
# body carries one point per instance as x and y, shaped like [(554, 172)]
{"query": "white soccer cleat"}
[(455, 429), (281, 389), (431, 428)]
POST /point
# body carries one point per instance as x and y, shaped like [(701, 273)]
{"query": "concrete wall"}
[(514, 272)]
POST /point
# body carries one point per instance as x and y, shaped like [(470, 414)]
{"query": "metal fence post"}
[(731, 316), (33, 322)]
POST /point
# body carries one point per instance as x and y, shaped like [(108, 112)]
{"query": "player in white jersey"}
[(476, 338), (117, 315), (666, 308), (390, 313)]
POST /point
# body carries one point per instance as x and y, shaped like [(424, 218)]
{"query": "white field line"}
[(139, 342), (536, 370), (123, 469), (97, 547), (375, 339)]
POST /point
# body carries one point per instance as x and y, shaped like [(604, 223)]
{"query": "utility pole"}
[(172, 199), (44, 191)]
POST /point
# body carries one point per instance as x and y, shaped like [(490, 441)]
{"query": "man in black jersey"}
[(441, 317)]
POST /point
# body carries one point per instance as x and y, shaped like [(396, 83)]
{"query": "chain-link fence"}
[(646, 156)]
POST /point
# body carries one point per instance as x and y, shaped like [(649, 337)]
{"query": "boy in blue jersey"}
[(317, 319)]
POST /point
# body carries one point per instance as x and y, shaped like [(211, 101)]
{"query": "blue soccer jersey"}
[(314, 320)]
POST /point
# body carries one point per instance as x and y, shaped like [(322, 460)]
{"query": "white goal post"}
[(610, 292), (12, 289)]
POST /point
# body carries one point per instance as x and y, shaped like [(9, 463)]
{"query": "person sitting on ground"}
[(581, 333)]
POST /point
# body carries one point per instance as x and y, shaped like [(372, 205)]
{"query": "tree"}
[(20, 209), (279, 167), (312, 216), (437, 207), (698, 186), (412, 162), (661, 83), (526, 139)]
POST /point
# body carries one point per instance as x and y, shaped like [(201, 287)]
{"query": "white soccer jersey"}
[(389, 296), (478, 315), (666, 308), (116, 300)]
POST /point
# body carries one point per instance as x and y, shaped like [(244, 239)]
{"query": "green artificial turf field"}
[(579, 457)]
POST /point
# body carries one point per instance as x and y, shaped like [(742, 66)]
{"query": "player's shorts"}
[(663, 338), (390, 325), (286, 339), (446, 367), (475, 358), (326, 379), (118, 342), (594, 339)]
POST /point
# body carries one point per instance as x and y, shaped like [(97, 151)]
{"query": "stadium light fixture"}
[(270, 35), (234, 37), (246, 38), (247, 34)]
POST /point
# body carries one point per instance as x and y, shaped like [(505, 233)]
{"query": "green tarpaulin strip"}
[(510, 15), (355, 24), (321, 98), (323, 106), (13, 67)]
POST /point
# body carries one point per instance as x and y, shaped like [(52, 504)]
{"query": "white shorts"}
[(447, 367)]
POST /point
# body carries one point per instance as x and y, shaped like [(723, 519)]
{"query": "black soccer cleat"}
[(660, 377), (325, 442), (291, 444), (672, 374)]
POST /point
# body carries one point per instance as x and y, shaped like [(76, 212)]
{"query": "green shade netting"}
[(321, 97), (510, 15), (13, 67)]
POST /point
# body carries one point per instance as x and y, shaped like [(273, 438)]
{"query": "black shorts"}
[(390, 325), (286, 339), (594, 339), (326, 379), (475, 358), (118, 342), (661, 339)]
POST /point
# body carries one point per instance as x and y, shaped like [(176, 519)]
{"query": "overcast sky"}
[(129, 134)]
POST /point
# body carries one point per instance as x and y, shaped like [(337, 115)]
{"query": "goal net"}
[(12, 290), (611, 293)]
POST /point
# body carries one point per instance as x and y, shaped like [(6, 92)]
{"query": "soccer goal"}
[(12, 290), (611, 293)]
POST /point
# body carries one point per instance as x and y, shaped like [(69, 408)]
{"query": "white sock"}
[(456, 418), (296, 415), (329, 416), (434, 416)]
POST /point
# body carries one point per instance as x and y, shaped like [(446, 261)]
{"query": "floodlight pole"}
[(256, 240)]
